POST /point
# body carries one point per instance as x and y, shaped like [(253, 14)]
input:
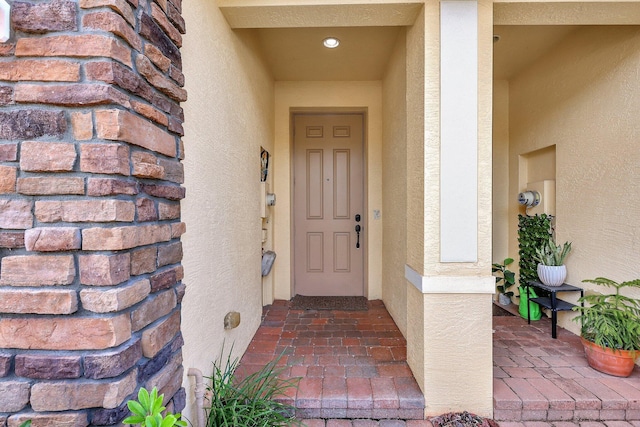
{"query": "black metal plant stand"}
[(552, 302)]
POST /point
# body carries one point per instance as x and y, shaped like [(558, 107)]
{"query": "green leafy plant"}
[(533, 232), (552, 254), (611, 320), (147, 411), (507, 277), (251, 401), (26, 424)]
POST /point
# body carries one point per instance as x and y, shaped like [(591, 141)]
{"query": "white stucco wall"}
[(583, 97), (361, 95), (394, 184), (228, 116)]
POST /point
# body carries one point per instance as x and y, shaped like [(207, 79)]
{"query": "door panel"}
[(328, 193), (341, 195), (315, 252), (315, 202), (342, 252)]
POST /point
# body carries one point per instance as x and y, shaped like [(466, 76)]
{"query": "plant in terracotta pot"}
[(550, 257), (508, 279), (611, 328)]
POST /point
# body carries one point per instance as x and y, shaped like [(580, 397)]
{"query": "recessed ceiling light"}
[(331, 42)]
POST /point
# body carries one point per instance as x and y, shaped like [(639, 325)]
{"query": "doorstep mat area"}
[(301, 302)]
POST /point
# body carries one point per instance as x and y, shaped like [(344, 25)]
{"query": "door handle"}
[(358, 229)]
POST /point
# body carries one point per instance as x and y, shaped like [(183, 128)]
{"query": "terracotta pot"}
[(552, 275), (613, 362)]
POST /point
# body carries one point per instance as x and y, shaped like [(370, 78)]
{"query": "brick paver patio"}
[(354, 373), (538, 378)]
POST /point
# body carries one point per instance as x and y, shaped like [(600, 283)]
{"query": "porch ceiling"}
[(291, 34), (520, 45), (298, 54)]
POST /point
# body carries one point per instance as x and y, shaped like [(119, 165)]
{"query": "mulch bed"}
[(462, 419)]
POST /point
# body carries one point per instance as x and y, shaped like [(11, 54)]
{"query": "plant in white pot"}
[(611, 328), (550, 257), (508, 279)]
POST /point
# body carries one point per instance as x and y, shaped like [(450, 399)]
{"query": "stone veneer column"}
[(90, 174)]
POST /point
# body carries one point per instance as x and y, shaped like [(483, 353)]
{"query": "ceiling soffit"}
[(260, 14), (566, 13)]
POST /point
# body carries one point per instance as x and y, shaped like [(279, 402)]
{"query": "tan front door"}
[(328, 204)]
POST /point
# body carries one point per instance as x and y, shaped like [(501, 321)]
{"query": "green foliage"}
[(552, 254), (611, 320), (533, 232), (26, 424), (147, 411), (508, 278), (250, 401)]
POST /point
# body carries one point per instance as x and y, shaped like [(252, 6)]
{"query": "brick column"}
[(90, 190)]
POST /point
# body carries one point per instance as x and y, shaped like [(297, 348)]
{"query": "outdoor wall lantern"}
[(5, 21)]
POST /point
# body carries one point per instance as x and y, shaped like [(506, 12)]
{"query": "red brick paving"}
[(541, 379), (353, 365)]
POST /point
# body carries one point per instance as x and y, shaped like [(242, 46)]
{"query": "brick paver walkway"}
[(352, 363)]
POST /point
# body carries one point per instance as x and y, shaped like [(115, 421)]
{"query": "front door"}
[(328, 204)]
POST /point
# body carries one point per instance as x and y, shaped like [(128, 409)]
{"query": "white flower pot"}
[(503, 299), (552, 275)]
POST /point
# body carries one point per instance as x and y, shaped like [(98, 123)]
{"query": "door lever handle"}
[(358, 229)]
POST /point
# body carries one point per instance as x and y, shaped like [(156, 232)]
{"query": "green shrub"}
[(250, 401), (533, 233), (147, 411)]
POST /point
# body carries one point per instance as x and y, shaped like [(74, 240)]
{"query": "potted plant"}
[(550, 257), (611, 328), (508, 279)]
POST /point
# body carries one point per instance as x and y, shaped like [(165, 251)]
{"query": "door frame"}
[(293, 111)]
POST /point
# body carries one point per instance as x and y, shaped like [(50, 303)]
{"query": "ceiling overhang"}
[(509, 12), (315, 13)]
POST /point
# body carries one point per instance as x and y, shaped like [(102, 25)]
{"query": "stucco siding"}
[(394, 185), (229, 116), (583, 97)]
